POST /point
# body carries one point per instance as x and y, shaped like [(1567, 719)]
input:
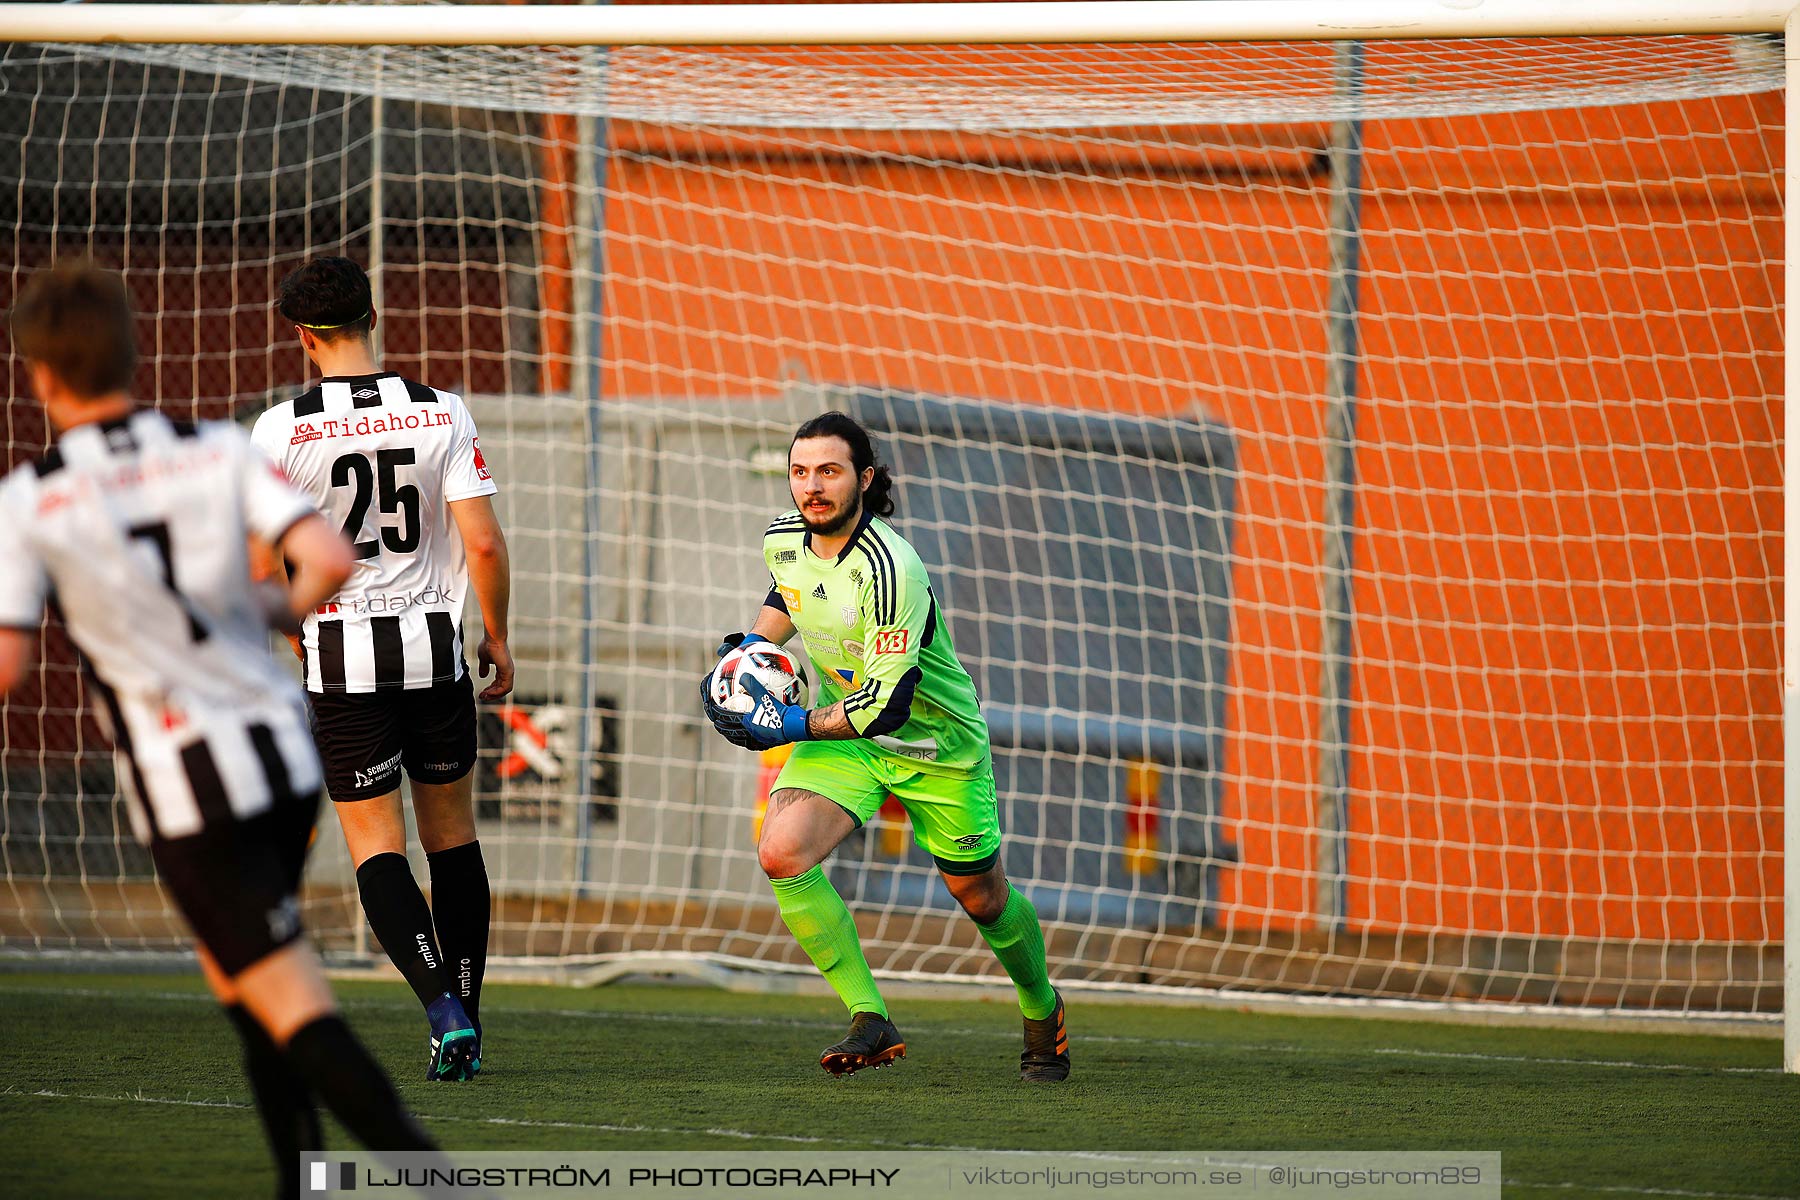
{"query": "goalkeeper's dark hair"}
[(330, 296), (878, 497)]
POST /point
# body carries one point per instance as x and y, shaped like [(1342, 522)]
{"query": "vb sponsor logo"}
[(890, 641)]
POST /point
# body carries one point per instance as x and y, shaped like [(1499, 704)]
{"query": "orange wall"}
[(1568, 717)]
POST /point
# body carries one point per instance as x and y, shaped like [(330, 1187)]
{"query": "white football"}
[(772, 666)]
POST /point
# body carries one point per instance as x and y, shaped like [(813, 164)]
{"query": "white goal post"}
[(799, 182)]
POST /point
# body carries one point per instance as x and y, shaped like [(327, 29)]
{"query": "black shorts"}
[(365, 738), (236, 882)]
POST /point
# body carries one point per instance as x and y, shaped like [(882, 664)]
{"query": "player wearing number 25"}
[(397, 466), (896, 713), (139, 527)]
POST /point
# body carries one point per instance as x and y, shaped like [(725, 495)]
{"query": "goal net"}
[(1351, 473)]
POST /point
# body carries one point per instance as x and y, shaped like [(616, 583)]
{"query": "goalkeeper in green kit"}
[(895, 713)]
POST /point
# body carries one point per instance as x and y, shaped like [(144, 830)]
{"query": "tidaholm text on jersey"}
[(365, 426)]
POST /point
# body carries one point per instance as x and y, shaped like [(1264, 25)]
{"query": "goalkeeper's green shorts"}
[(956, 821)]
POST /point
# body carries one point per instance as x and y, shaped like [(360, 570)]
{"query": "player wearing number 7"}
[(138, 529), (397, 466), (896, 714)]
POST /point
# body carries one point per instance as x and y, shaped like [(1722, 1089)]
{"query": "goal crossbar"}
[(871, 24)]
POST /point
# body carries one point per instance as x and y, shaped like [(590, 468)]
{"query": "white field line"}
[(1535, 1185), (10, 1092), (203, 999)]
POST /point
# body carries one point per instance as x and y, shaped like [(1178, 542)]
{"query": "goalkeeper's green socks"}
[(820, 922), (1018, 942)]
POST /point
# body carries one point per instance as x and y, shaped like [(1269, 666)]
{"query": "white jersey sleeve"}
[(270, 436), (23, 582), (272, 505), (466, 473)]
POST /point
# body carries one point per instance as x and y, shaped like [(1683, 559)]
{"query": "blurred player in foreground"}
[(896, 713), (139, 528)]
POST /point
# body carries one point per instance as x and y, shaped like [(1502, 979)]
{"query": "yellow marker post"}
[(893, 828), (773, 760), (1143, 785)]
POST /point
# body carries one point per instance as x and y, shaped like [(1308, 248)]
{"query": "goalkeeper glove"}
[(771, 723), (723, 719), (732, 641)]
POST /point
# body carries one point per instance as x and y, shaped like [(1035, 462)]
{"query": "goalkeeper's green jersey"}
[(878, 642)]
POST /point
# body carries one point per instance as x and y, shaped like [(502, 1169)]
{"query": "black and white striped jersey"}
[(383, 458), (138, 529)]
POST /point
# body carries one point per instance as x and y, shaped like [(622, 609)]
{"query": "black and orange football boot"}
[(872, 1042), (1046, 1057)]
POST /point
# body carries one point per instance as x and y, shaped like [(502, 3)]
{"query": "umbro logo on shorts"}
[(283, 919), (968, 839)]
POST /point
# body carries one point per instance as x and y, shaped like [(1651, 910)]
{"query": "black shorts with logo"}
[(236, 882), (366, 738)]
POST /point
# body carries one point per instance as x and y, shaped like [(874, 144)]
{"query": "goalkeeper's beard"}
[(833, 525)]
